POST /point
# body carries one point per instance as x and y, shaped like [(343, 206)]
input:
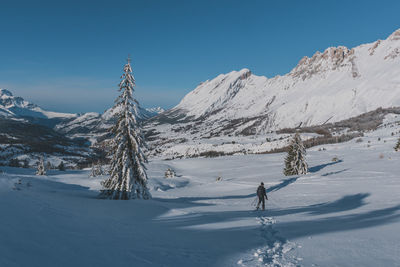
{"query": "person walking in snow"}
[(262, 195)]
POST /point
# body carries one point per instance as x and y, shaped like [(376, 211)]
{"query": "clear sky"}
[(68, 55)]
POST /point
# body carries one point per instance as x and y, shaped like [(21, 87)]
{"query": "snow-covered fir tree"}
[(128, 178), (40, 167), (295, 162), (397, 146)]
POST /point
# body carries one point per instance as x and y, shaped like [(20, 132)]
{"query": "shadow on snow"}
[(194, 200), (282, 184), (320, 167), (333, 173)]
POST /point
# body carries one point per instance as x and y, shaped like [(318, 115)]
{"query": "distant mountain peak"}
[(8, 100), (18, 107), (5, 93)]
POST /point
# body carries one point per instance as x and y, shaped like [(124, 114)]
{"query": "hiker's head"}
[(262, 183)]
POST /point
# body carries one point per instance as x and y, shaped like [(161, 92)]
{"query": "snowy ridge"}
[(240, 108), (336, 84)]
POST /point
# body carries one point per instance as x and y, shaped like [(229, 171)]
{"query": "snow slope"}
[(343, 213), (336, 84)]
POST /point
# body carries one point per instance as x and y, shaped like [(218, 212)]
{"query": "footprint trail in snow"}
[(274, 253)]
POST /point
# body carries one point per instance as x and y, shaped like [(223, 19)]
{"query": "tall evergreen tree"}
[(295, 162), (128, 178), (40, 167), (397, 146)]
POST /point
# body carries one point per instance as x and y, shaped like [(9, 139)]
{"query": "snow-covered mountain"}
[(336, 84), (28, 130), (240, 107), (92, 124), (12, 106)]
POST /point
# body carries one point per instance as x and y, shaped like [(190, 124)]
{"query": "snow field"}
[(342, 213)]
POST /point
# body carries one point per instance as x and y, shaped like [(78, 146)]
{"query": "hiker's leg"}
[(259, 202)]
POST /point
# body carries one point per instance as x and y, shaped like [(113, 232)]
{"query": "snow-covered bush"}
[(335, 159), (169, 173)]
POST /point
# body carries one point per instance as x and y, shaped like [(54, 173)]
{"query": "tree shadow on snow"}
[(282, 184), (345, 203), (333, 173), (194, 200), (298, 229), (320, 167)]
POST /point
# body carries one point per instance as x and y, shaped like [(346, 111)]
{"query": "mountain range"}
[(331, 86), (243, 108), (27, 129)]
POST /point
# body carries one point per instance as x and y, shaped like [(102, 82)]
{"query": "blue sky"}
[(68, 55)]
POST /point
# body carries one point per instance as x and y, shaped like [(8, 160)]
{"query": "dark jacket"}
[(261, 192)]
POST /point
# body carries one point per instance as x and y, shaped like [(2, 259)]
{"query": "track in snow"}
[(274, 253)]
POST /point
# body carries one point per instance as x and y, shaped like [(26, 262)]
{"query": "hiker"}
[(261, 193)]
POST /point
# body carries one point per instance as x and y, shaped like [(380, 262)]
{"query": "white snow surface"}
[(343, 213), (340, 81)]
